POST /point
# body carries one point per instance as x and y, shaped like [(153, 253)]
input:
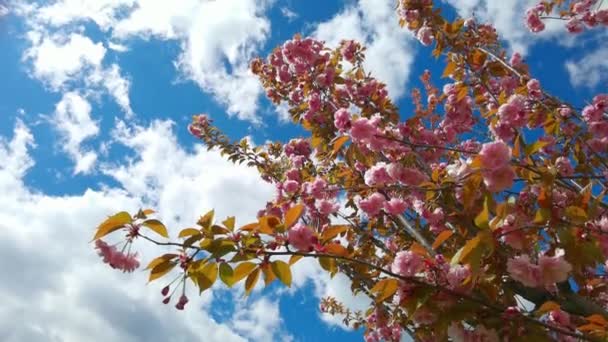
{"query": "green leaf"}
[(226, 274), (157, 227), (113, 223), (161, 269), (282, 271)]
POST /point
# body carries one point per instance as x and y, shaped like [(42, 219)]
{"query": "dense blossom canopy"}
[(490, 191)]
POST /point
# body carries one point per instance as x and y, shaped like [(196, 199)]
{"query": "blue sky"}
[(95, 97)]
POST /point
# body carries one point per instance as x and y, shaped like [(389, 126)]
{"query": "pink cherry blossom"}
[(362, 130), (425, 35), (499, 179), (326, 207), (564, 166), (407, 264), (342, 119), (301, 237), (535, 24), (377, 175), (457, 275), (291, 186), (522, 270), (115, 258), (534, 89), (405, 175), (495, 155), (396, 206), (554, 269), (574, 25), (373, 204)]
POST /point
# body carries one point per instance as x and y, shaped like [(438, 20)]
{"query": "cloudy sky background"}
[(95, 96)]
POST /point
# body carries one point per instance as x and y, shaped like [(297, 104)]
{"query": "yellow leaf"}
[(282, 271), (338, 143), (333, 231), (160, 259), (336, 249), (206, 220), (449, 69), (294, 258), (157, 227), (229, 222), (328, 264), (113, 223), (441, 238), (161, 269), (252, 279), (188, 232), (293, 215), (466, 250), (384, 289), (206, 276), (516, 147), (269, 275), (576, 214), (547, 307), (226, 273), (482, 219), (533, 148), (242, 270)]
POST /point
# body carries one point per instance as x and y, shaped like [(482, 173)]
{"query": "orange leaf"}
[(336, 249), (418, 249), (547, 307), (597, 319), (441, 238), (293, 215), (333, 231), (338, 143), (384, 289)]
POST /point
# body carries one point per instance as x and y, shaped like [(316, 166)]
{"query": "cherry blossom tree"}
[(489, 192)]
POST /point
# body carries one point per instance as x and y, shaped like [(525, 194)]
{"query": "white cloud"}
[(115, 84), (102, 12), (591, 70), (117, 47), (390, 52), (4, 10), (57, 289), (260, 321), (508, 17), (58, 58), (72, 119), (288, 13), (217, 39)]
